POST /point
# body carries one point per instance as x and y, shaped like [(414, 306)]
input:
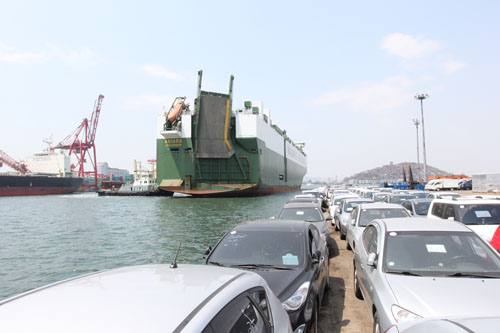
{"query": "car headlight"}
[(298, 298), (401, 314)]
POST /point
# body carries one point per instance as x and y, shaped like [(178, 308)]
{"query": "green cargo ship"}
[(214, 150)]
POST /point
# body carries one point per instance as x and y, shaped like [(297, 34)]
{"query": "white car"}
[(150, 298), (481, 215)]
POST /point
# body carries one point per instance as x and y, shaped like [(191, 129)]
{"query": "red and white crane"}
[(18, 166), (82, 140)]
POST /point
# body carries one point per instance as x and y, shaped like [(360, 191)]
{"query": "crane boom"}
[(18, 166)]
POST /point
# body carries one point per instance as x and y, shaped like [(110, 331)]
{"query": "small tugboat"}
[(144, 184)]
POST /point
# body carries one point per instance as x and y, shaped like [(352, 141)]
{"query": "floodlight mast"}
[(421, 97), (416, 122)]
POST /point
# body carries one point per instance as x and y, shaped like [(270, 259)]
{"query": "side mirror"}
[(329, 218), (316, 256), (371, 259), (207, 251)]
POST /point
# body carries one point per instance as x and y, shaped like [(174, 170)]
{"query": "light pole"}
[(416, 122), (421, 97)]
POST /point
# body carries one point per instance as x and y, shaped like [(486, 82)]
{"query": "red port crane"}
[(81, 141), (18, 166)]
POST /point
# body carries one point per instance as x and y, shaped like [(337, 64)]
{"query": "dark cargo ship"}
[(13, 185)]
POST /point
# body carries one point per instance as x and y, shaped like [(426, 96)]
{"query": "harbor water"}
[(44, 239)]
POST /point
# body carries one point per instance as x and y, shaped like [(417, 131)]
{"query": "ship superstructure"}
[(214, 150)]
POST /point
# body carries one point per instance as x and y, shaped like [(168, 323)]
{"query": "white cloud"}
[(387, 94), (159, 71), (454, 66), (55, 52), (147, 100), (409, 47), (9, 54)]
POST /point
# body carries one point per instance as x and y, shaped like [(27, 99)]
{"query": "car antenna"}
[(174, 263)]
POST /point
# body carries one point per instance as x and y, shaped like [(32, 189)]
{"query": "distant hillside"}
[(392, 173)]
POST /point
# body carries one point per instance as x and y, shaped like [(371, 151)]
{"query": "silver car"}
[(150, 298), (411, 268), (344, 211), (365, 213)]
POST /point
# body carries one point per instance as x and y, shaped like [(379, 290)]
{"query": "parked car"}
[(150, 298), (411, 268), (481, 215), (419, 194), (309, 212), (306, 198), (363, 214), (319, 194), (443, 195), (336, 200), (344, 211), (380, 196), (398, 198), (290, 255), (466, 185), (461, 324), (417, 207)]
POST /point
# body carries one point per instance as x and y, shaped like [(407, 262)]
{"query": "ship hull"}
[(19, 185)]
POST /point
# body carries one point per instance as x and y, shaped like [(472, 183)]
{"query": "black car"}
[(309, 212), (290, 255)]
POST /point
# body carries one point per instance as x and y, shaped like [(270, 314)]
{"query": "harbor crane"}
[(81, 142), (18, 166)]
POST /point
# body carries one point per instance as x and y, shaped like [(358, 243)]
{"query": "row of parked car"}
[(262, 276), (422, 263)]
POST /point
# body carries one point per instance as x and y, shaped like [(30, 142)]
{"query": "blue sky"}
[(337, 75)]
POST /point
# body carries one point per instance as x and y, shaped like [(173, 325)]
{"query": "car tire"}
[(313, 328), (376, 323), (336, 226), (357, 289), (348, 246), (342, 235)]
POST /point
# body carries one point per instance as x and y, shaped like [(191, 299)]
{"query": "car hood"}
[(446, 296), (486, 231), (283, 282)]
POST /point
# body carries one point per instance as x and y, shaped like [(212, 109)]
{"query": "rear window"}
[(479, 214), (368, 215), (309, 214)]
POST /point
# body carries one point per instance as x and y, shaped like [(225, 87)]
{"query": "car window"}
[(354, 214), (479, 214), (408, 206), (239, 316), (310, 214), (368, 215), (449, 212), (314, 239), (260, 299), (421, 208), (437, 209), (368, 237)]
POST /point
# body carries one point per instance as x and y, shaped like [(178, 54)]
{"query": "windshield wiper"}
[(215, 263), (404, 273), (261, 266), (473, 275)]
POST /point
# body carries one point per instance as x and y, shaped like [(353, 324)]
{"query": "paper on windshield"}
[(290, 259), (299, 212), (482, 213), (439, 248)]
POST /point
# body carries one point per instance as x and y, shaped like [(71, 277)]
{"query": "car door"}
[(248, 312), (365, 272), (316, 243), (351, 223)]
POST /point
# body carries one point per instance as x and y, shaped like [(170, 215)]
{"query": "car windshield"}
[(420, 195), (310, 214), (479, 214), (368, 215), (276, 248), (437, 253), (349, 205), (421, 208)]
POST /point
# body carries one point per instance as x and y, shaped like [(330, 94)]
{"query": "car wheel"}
[(336, 226), (342, 235), (357, 290), (376, 323), (348, 246), (314, 321)]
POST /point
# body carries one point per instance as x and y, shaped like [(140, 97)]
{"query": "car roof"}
[(358, 199), (149, 298), (273, 225), (301, 205), (420, 200), (422, 224), (380, 205), (468, 201)]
